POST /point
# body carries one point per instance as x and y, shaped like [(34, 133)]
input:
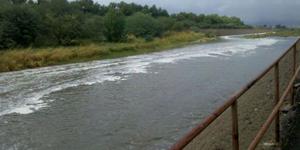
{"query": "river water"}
[(138, 102)]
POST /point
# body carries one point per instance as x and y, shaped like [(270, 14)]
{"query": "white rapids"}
[(22, 92)]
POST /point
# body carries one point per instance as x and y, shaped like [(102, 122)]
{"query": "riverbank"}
[(278, 32), (18, 59), (224, 32)]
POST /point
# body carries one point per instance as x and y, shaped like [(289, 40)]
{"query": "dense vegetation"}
[(44, 23)]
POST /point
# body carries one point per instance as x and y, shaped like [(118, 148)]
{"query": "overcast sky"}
[(251, 11)]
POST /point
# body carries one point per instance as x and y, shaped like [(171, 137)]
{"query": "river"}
[(138, 102)]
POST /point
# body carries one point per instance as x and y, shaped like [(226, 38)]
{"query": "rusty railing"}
[(233, 100)]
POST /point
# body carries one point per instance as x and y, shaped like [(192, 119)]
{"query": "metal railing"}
[(232, 102)]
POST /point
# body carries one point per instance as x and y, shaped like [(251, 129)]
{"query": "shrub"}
[(143, 25)]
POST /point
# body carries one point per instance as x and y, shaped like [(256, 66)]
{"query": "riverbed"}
[(137, 102)]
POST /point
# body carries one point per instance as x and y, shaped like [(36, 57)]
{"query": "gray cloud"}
[(251, 11)]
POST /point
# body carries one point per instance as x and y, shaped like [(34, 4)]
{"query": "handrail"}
[(272, 116), (231, 102)]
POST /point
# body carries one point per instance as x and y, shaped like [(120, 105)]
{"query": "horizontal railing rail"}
[(232, 103)]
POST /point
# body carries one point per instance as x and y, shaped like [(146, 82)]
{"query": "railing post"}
[(295, 58), (277, 96), (235, 128), (294, 71)]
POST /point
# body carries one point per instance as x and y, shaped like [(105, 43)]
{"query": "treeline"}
[(39, 23)]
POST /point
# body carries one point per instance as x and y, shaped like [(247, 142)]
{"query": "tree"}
[(114, 24), (143, 25), (59, 7), (65, 29), (18, 1), (42, 2), (86, 6), (93, 28), (279, 26), (7, 31), (19, 26), (166, 23), (157, 12), (4, 4), (67, 22), (129, 9), (30, 2), (186, 16)]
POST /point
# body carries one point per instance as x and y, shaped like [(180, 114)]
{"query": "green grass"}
[(277, 32), (18, 59)]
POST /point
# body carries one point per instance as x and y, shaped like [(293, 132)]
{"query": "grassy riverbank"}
[(18, 59), (277, 32)]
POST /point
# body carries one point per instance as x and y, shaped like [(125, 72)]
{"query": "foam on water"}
[(22, 92)]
